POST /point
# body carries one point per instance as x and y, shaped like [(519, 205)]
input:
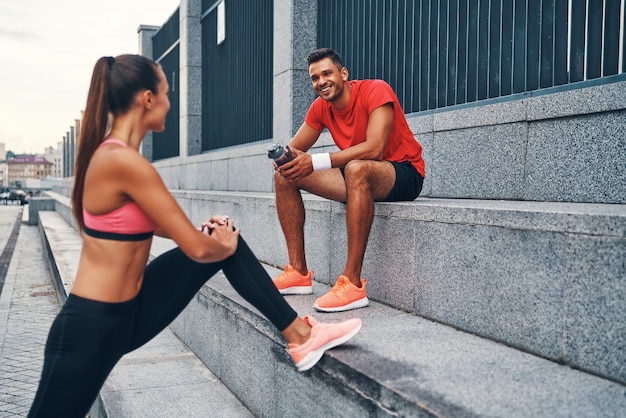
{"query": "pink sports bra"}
[(127, 223)]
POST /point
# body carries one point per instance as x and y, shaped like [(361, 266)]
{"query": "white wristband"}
[(321, 161)]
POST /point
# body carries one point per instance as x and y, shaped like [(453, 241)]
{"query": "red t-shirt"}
[(349, 126)]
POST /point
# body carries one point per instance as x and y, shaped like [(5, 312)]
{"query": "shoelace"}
[(340, 285), (288, 270)]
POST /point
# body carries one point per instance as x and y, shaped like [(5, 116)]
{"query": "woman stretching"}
[(117, 303)]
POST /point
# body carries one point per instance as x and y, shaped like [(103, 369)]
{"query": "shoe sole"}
[(361, 303), (314, 357), (297, 290)]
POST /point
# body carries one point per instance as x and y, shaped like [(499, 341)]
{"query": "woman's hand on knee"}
[(215, 220), (227, 235)]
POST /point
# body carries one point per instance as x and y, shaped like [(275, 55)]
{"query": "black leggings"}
[(88, 337)]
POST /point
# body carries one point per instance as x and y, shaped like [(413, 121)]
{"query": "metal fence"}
[(438, 53), (237, 73), (434, 53), (166, 51)]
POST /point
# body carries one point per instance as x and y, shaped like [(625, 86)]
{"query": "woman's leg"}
[(248, 277), (85, 342), (172, 280)]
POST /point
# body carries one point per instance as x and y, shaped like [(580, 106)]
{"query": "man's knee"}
[(364, 171), (356, 169)]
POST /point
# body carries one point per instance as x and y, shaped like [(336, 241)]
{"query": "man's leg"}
[(328, 183), (291, 215), (366, 182)]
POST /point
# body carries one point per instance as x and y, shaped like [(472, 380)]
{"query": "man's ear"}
[(344, 74)]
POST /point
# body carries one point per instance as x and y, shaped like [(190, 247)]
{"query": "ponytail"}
[(92, 132)]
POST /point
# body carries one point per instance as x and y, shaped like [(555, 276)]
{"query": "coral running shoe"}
[(343, 296), (323, 337), (290, 282)]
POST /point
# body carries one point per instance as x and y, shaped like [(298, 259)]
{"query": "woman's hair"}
[(114, 84), (320, 54)]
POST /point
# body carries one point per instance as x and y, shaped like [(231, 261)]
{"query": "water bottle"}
[(279, 154)]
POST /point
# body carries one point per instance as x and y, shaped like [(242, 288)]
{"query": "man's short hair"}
[(320, 54)]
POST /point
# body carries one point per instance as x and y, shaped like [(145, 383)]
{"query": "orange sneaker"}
[(290, 282), (323, 337), (343, 296)]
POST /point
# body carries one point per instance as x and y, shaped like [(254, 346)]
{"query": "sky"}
[(47, 52)]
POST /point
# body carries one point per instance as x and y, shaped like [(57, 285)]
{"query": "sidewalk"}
[(28, 304)]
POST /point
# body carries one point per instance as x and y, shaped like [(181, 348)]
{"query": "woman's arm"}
[(142, 183)]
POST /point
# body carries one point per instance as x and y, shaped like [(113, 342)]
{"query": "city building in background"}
[(3, 166), (55, 156), (23, 169)]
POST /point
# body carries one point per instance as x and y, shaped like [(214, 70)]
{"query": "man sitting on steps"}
[(379, 160)]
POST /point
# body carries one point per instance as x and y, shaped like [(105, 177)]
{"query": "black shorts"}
[(408, 183)]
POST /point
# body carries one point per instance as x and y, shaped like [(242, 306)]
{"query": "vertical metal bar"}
[(561, 30), (610, 62), (442, 56), (453, 51), (402, 52), (594, 39), (412, 44), (533, 45), (577, 40), (506, 50), (425, 47), (622, 38), (483, 50), (519, 46), (546, 58), (417, 56), (461, 82), (434, 63), (472, 51), (495, 58), (392, 52)]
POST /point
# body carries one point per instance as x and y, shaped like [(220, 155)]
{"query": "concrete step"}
[(398, 365), (548, 278), (161, 379)]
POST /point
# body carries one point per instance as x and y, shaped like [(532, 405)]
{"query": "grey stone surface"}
[(190, 47), (496, 268), (484, 163), (295, 36), (36, 204), (146, 33), (595, 291), (398, 365), (602, 98), (503, 284), (577, 160), (502, 113), (421, 124)]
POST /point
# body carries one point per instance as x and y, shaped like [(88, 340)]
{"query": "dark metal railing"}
[(166, 50), (237, 74), (438, 53)]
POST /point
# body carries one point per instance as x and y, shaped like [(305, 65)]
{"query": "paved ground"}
[(27, 307)]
